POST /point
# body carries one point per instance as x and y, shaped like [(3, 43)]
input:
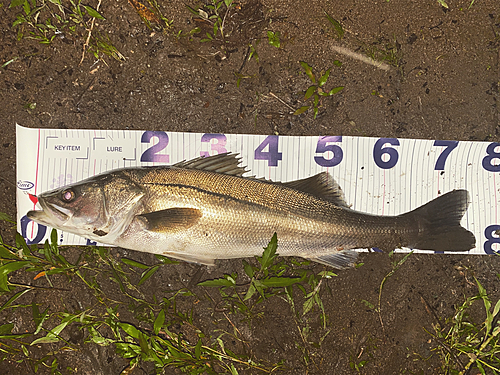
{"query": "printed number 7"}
[(450, 146)]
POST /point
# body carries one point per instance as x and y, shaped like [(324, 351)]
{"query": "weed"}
[(315, 90), (385, 51), (152, 15), (339, 30), (215, 16), (274, 38), (272, 278), (151, 338), (463, 344), (44, 20)]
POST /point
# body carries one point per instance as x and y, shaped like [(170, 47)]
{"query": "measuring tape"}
[(380, 176)]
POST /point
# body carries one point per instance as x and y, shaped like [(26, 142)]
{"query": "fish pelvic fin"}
[(439, 224), (322, 186), (340, 259), (170, 220)]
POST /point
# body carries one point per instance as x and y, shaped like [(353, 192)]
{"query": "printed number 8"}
[(488, 233)]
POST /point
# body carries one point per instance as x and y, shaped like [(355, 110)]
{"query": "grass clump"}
[(464, 344), (44, 20), (315, 91), (159, 330)]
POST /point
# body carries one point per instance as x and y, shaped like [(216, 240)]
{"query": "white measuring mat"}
[(381, 176)]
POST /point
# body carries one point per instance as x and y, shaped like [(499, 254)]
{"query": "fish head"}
[(98, 208)]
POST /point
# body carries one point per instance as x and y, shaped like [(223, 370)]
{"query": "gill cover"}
[(92, 208)]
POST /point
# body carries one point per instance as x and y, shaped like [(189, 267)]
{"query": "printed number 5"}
[(323, 147), (151, 154)]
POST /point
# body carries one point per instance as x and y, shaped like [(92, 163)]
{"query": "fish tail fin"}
[(439, 224)]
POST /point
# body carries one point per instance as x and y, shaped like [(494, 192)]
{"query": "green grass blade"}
[(336, 25)]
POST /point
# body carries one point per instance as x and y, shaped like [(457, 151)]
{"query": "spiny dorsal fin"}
[(171, 219), (227, 163), (322, 186)]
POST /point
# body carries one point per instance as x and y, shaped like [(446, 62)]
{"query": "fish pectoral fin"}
[(171, 219), (340, 259), (322, 186)]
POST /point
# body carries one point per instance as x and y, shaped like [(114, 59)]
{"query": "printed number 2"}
[(323, 147), (272, 155), (379, 150), (151, 154), (219, 146), (450, 146), (488, 233), (491, 154)]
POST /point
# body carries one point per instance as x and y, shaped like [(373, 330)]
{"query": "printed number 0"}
[(219, 146), (151, 154), (41, 230), (379, 150), (323, 147), (488, 233), (491, 154)]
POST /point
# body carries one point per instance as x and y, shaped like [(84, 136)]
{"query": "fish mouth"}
[(51, 214)]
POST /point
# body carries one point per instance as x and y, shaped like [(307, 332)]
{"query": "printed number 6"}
[(379, 150), (151, 154), (323, 147)]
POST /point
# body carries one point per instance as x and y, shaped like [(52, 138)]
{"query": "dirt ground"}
[(442, 82)]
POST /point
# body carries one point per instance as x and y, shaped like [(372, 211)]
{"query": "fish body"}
[(204, 209)]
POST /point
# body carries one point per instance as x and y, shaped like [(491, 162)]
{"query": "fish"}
[(206, 209)]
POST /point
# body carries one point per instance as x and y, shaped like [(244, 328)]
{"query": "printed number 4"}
[(272, 155)]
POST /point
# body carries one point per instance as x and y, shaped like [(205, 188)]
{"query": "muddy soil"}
[(437, 78)]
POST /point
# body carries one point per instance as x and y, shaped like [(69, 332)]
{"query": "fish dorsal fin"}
[(227, 163), (322, 186), (171, 219)]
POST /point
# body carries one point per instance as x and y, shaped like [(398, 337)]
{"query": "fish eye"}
[(68, 195)]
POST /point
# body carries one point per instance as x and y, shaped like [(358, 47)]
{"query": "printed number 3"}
[(152, 153), (219, 146)]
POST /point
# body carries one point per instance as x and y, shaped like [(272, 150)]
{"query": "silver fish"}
[(203, 209)]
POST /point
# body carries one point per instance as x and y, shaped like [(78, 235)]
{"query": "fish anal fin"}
[(322, 186), (340, 259), (226, 163), (171, 219), (191, 258)]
